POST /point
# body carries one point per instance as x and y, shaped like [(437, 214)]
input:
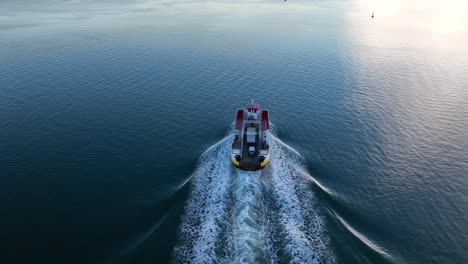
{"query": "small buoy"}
[(371, 16)]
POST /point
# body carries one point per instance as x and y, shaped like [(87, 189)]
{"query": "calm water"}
[(115, 117)]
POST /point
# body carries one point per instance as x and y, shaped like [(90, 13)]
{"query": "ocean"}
[(115, 123)]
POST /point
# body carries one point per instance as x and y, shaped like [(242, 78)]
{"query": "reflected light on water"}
[(433, 24)]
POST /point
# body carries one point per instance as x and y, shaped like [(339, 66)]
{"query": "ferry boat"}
[(251, 141)]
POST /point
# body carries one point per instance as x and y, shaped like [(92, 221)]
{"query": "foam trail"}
[(363, 238), (206, 209), (268, 216), (302, 227), (248, 241)]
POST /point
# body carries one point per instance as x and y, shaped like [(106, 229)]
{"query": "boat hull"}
[(250, 148), (250, 166)]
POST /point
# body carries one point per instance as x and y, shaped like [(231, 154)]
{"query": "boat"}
[(251, 138)]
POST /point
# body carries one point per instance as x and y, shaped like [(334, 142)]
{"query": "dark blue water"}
[(114, 118)]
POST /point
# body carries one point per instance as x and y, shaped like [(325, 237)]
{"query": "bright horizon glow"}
[(439, 24)]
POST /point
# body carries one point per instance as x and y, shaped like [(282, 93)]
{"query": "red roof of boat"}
[(253, 107), (240, 114), (266, 122)]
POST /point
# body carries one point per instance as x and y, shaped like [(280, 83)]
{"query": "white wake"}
[(303, 227), (206, 209), (267, 216)]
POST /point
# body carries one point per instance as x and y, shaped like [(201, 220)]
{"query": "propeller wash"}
[(264, 216)]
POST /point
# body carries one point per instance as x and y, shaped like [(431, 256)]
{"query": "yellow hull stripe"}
[(234, 161), (264, 163)]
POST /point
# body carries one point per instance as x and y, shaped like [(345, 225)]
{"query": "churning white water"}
[(267, 216)]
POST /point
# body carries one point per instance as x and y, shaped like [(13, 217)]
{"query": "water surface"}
[(114, 116)]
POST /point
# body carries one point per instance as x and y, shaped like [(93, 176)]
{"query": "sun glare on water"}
[(440, 24)]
